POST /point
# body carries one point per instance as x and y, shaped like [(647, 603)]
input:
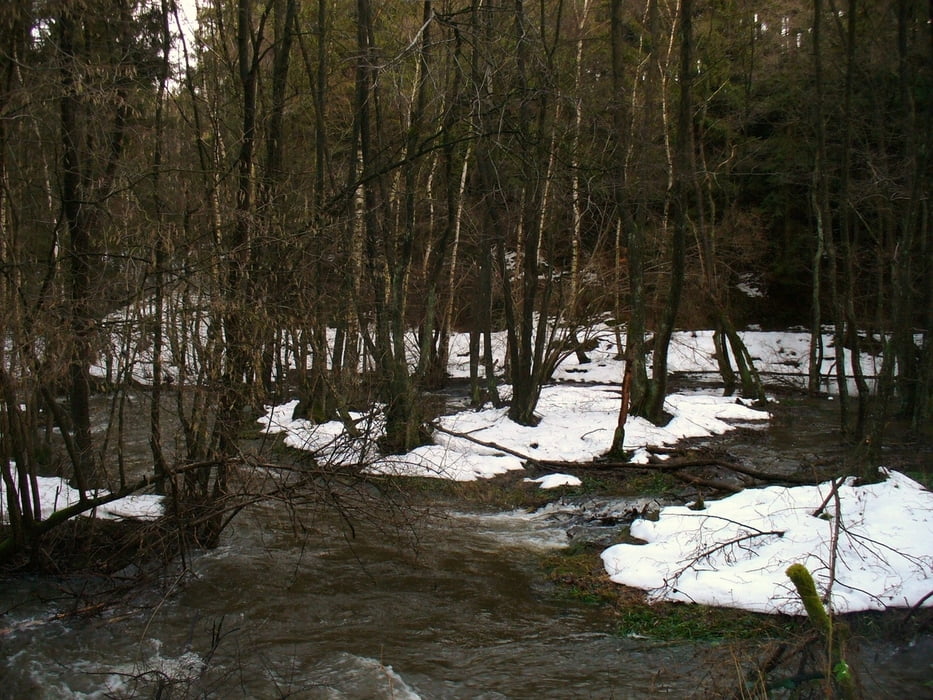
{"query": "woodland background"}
[(271, 202)]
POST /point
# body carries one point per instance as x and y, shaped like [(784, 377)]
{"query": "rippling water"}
[(466, 614)]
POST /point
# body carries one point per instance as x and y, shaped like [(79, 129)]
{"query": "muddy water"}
[(805, 433), (461, 610), (464, 614)]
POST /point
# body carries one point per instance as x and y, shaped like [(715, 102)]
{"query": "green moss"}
[(578, 574), (652, 484), (684, 621), (806, 589), (835, 633)]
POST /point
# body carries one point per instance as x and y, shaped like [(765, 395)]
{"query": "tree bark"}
[(657, 388)]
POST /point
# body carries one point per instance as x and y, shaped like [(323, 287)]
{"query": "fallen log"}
[(673, 465)]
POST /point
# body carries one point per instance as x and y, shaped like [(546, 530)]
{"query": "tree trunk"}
[(816, 313), (388, 256), (683, 163), (527, 325), (847, 230), (82, 184), (617, 450), (79, 252), (824, 217), (906, 378)]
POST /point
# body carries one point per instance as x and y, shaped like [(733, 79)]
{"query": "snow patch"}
[(873, 553)]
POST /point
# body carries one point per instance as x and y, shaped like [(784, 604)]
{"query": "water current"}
[(464, 611)]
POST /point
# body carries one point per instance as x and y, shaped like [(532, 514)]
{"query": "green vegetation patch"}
[(578, 574), (685, 621), (651, 483), (922, 476)]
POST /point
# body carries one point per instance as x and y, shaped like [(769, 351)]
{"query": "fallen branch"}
[(917, 607), (496, 446), (670, 465), (727, 464), (706, 553)]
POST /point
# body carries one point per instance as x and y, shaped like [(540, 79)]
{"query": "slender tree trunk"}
[(847, 230), (617, 450), (238, 370), (521, 328), (721, 344), (78, 181), (574, 303), (448, 315), (630, 212), (657, 390), (907, 371), (159, 261), (725, 335), (388, 255), (824, 217), (263, 262), (79, 250), (816, 314)]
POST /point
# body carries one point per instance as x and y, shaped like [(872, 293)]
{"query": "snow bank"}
[(55, 494), (872, 552), (577, 425)]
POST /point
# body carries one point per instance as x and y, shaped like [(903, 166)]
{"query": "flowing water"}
[(465, 612)]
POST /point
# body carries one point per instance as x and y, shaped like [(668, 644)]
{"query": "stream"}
[(460, 608), (465, 614)]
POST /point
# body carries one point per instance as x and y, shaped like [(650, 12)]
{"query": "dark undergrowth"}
[(97, 546)]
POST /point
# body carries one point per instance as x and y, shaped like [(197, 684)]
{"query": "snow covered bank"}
[(870, 550), (781, 357), (577, 424), (55, 494)]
